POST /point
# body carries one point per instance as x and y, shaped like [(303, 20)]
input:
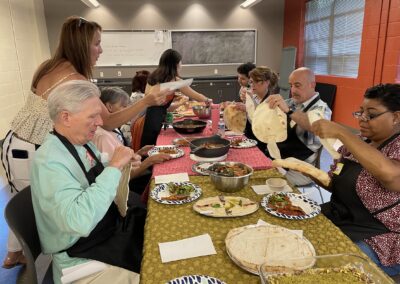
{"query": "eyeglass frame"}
[(360, 115), (252, 82)]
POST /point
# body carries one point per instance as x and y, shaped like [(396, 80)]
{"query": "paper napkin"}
[(179, 177), (187, 248), (79, 271)]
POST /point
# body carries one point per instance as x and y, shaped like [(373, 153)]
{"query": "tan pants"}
[(112, 274)]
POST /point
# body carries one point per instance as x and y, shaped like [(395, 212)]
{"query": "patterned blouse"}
[(374, 197)]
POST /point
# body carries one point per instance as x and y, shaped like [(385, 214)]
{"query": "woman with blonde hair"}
[(77, 52)]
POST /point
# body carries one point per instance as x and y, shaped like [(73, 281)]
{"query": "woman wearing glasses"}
[(365, 186), (77, 52)]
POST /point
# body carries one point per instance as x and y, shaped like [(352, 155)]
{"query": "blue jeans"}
[(389, 270)]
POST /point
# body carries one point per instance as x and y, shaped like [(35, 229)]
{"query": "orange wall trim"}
[(379, 55)]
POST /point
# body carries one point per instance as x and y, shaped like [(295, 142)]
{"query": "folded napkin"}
[(265, 189), (261, 222), (179, 177), (187, 248), (79, 271)]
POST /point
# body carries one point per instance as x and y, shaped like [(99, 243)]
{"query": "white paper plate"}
[(225, 206), (156, 150), (245, 143), (310, 207), (161, 190), (195, 279)]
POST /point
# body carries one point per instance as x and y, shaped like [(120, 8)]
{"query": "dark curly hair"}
[(387, 94)]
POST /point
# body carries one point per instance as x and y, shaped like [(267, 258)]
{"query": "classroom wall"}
[(266, 17), (23, 46), (379, 59)]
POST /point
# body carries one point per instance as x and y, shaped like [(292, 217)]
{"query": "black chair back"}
[(21, 220), (327, 93)]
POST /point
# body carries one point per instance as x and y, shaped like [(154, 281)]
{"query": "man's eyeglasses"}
[(367, 117), (251, 82), (81, 21)]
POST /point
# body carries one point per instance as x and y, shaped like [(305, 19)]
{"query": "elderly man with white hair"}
[(73, 193)]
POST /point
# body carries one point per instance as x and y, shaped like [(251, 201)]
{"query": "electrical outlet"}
[(101, 74), (215, 71), (119, 73)]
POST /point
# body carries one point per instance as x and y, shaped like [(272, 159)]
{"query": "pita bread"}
[(231, 206), (250, 107), (121, 198), (303, 167), (235, 119), (315, 115), (252, 246), (270, 126)]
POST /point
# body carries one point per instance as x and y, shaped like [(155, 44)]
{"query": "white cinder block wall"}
[(23, 46)]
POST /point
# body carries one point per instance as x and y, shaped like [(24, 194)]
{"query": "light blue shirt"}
[(66, 206)]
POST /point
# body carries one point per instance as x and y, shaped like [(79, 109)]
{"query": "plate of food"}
[(241, 143), (225, 206), (175, 192), (290, 206), (202, 168), (254, 245), (196, 279), (171, 150)]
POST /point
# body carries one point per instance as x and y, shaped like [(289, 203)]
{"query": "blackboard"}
[(215, 46), (133, 48)]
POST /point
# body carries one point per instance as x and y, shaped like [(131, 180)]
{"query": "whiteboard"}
[(204, 47), (132, 48)]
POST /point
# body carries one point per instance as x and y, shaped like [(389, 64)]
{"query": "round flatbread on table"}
[(251, 246), (270, 126), (235, 119)]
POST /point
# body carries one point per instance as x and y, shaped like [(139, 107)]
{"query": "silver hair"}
[(69, 96)]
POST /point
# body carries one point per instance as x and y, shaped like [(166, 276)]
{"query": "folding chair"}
[(21, 220)]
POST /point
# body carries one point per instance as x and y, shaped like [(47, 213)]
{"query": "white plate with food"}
[(253, 245), (195, 279), (183, 141), (289, 205), (242, 143), (202, 168), (225, 206), (175, 192), (171, 150)]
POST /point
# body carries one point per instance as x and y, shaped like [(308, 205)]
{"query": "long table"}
[(167, 223)]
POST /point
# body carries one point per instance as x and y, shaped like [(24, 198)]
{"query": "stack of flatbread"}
[(270, 126), (326, 143), (279, 249), (121, 198), (235, 119), (303, 167)]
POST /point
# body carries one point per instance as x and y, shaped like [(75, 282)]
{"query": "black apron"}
[(293, 146), (115, 240), (346, 209), (121, 136)]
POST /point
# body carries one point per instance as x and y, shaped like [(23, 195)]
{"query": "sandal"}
[(13, 259)]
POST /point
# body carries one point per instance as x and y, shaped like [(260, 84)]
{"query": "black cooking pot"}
[(189, 126), (210, 152)]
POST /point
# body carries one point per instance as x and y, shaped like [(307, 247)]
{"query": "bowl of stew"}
[(230, 176)]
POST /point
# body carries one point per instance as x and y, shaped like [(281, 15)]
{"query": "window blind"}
[(332, 36)]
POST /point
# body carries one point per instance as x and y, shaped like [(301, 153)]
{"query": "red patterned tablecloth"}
[(250, 156)]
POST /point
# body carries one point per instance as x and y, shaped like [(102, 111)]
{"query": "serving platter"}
[(309, 206), (244, 143), (225, 206), (196, 279), (157, 150), (251, 246), (161, 191)]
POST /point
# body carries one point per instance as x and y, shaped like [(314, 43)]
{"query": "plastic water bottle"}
[(221, 128)]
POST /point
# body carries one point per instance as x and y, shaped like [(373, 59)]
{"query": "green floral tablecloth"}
[(174, 222)]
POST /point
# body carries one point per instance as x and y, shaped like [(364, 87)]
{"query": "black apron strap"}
[(120, 134)]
